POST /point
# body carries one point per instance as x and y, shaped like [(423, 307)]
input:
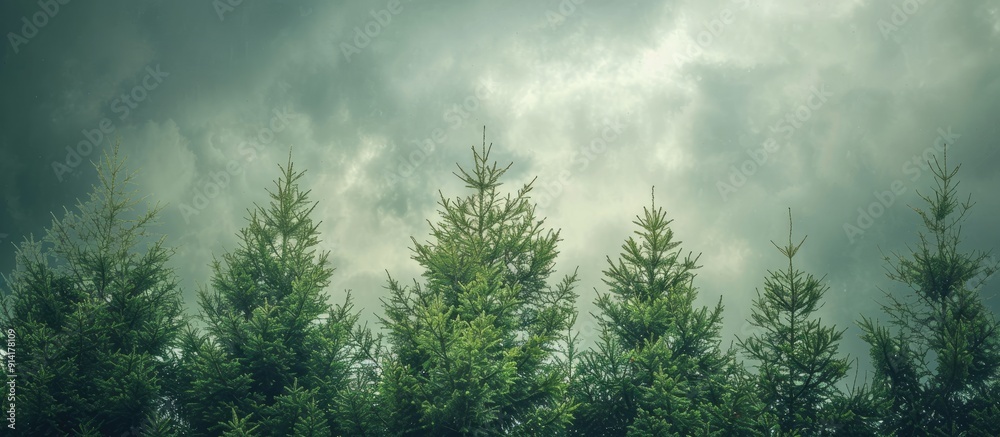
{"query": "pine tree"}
[(473, 349), (95, 311), (240, 426), (269, 361), (938, 358), (658, 368), (798, 363), (297, 413)]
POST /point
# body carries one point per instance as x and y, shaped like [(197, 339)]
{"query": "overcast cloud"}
[(733, 110)]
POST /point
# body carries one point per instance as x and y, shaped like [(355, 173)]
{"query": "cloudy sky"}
[(734, 110)]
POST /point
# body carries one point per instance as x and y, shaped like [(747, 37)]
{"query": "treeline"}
[(483, 344)]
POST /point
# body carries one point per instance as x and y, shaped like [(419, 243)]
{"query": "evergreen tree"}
[(798, 363), (239, 426), (270, 364), (474, 347), (938, 359), (94, 312), (658, 368)]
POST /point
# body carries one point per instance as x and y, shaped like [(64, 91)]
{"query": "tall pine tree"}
[(658, 368), (798, 362), (94, 312), (277, 358), (474, 347), (938, 358)]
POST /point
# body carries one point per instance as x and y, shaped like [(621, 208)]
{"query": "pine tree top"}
[(650, 268)]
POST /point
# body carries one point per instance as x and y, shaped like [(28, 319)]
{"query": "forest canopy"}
[(484, 342)]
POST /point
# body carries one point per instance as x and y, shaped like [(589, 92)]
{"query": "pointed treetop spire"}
[(790, 250)]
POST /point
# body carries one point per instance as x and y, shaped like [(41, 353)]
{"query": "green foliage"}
[(473, 349), (297, 413), (485, 345), (658, 369), (604, 386), (240, 426), (938, 358), (214, 384), (95, 311), (268, 356), (798, 364), (159, 425)]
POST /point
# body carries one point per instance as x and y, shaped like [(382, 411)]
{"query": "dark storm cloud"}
[(816, 107)]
